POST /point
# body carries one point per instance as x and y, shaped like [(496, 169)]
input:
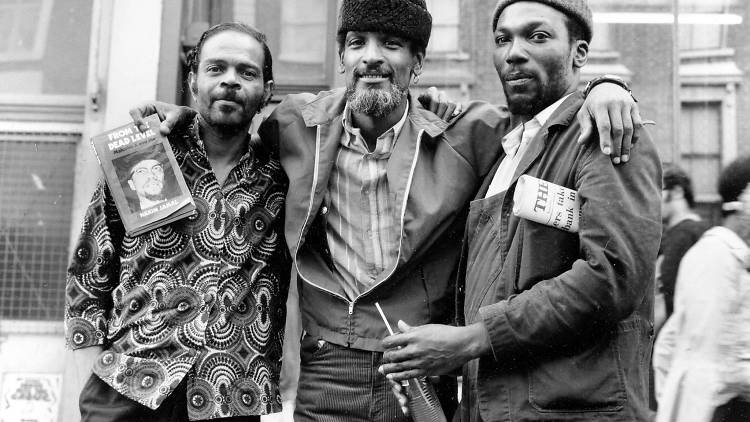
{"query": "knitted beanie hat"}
[(405, 18), (576, 9)]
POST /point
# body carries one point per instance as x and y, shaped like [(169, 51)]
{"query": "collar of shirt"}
[(384, 143), (525, 132), (739, 248), (195, 142)]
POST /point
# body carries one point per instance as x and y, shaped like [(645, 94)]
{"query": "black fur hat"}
[(405, 18)]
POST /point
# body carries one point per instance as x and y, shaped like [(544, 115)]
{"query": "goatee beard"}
[(375, 102)]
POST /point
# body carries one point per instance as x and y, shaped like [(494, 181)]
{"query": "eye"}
[(213, 68), (355, 42), (502, 39), (539, 36), (394, 43), (249, 74)]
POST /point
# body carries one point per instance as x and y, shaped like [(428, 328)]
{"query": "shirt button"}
[(324, 210), (247, 399), (208, 298), (147, 381), (197, 400)]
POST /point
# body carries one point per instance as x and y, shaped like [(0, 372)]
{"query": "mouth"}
[(518, 78), (373, 77)]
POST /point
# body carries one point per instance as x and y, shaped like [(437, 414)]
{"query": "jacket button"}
[(208, 298), (134, 305), (324, 210), (183, 306)]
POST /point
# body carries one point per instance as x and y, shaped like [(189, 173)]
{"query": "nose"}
[(230, 78), (372, 54), (516, 52)]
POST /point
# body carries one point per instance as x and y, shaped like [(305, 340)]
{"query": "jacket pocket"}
[(311, 348), (592, 380)]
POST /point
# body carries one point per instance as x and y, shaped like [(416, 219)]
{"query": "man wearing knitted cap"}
[(376, 206), (558, 322)]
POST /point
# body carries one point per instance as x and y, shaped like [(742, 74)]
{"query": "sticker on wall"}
[(29, 397)]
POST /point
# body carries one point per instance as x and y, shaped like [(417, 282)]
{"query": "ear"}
[(193, 84), (580, 53), (267, 93), (677, 192), (418, 62)]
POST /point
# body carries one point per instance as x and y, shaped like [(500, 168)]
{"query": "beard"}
[(376, 102)]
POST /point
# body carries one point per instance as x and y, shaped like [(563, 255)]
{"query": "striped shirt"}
[(362, 232)]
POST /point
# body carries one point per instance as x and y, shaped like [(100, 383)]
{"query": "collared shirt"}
[(202, 297), (701, 357), (515, 144), (362, 232)]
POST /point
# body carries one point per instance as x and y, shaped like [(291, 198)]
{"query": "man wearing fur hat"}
[(558, 324), (377, 202)]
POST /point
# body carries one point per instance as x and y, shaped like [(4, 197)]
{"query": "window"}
[(701, 146), (445, 23), (35, 210), (23, 29)]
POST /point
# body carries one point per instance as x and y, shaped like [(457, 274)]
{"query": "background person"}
[(701, 354)]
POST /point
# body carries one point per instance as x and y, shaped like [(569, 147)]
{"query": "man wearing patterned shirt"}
[(185, 322)]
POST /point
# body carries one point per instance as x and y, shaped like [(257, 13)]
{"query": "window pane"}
[(35, 206), (44, 46)]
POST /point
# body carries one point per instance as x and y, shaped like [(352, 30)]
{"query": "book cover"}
[(143, 176)]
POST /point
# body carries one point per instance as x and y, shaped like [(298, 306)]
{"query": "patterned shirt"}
[(202, 297), (361, 229)]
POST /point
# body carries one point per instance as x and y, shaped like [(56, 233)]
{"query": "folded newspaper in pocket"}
[(547, 203)]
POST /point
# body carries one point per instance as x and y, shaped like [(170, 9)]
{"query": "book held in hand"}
[(547, 203), (143, 176)]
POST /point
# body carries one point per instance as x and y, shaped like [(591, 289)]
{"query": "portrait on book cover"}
[(146, 178)]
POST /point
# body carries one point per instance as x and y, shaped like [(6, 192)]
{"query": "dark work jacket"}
[(569, 314), (434, 171)]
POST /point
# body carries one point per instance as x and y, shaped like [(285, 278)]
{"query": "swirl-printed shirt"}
[(202, 297)]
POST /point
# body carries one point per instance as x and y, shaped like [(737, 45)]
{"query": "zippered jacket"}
[(434, 171)]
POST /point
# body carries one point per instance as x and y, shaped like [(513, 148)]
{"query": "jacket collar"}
[(560, 119), (328, 105)]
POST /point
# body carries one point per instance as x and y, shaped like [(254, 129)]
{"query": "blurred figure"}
[(701, 357), (683, 227)]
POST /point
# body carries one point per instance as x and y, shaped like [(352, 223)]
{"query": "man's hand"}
[(438, 102), (431, 349), (169, 114), (617, 119), (398, 391)]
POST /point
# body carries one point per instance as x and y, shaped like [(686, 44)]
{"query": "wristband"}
[(607, 78)]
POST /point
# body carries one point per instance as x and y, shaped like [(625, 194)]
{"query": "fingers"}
[(603, 128), (138, 113), (403, 400), (627, 135), (450, 111), (404, 327), (616, 131), (638, 122), (442, 105), (402, 370), (429, 99), (170, 121)]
